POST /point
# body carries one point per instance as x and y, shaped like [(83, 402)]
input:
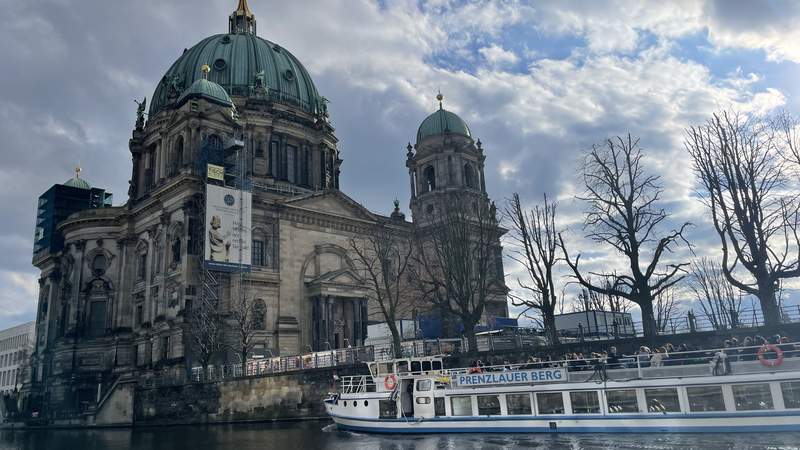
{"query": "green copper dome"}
[(78, 183), (440, 122), (208, 90), (244, 65)]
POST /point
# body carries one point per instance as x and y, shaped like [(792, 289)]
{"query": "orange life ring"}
[(770, 362), (390, 382)]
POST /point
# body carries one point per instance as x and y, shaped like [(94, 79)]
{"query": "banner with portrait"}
[(227, 228)]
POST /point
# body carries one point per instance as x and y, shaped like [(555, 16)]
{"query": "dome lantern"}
[(242, 20)]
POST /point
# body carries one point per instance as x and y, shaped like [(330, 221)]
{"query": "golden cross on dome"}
[(440, 97), (205, 68), (78, 170)]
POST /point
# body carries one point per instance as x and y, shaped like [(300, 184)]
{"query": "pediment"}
[(341, 276), (332, 202)]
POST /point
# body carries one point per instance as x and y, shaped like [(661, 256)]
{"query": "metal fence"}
[(284, 364)]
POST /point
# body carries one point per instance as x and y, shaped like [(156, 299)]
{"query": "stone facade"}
[(114, 303)]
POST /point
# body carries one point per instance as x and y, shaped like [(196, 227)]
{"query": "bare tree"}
[(246, 319), (622, 213), (593, 301), (457, 259), (719, 301), (205, 329), (666, 309), (536, 237), (741, 165), (384, 254)]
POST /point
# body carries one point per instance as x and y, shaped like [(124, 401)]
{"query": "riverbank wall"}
[(297, 395)]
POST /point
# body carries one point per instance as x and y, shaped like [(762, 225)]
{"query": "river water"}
[(323, 435)]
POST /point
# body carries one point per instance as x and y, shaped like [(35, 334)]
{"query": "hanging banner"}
[(228, 224)]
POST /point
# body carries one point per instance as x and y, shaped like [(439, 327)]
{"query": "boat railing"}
[(357, 384), (696, 363)]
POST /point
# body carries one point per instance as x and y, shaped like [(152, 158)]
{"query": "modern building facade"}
[(115, 300), (16, 345)]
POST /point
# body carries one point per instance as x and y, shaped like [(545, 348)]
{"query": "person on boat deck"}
[(644, 356), (612, 361), (788, 348), (657, 360)]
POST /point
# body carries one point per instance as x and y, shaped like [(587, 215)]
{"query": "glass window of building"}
[(791, 394), (749, 397), (461, 406), (661, 400), (705, 398), (585, 402), (518, 404), (488, 405), (258, 253), (622, 401), (550, 403)]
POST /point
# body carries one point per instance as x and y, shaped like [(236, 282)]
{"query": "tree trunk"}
[(244, 361), (550, 327), (769, 307), (649, 327), (396, 339), (472, 340)]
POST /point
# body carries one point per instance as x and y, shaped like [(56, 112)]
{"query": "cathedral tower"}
[(444, 162)]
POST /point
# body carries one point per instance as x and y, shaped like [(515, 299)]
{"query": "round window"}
[(344, 403), (220, 64), (366, 403), (288, 74)]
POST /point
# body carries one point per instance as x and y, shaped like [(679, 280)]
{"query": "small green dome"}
[(78, 183), (441, 122), (243, 64), (207, 90)]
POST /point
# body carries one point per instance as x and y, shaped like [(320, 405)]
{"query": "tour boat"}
[(738, 390)]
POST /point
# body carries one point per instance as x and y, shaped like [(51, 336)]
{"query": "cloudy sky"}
[(538, 82)]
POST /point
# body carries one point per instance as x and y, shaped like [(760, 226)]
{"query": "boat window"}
[(550, 403), (622, 401), (415, 366), (426, 366), (437, 365), (366, 403), (705, 398), (791, 394), (749, 397), (423, 400), (585, 402), (385, 368), (461, 406), (388, 409), (402, 366), (438, 406), (423, 385), (518, 404), (488, 405), (661, 400)]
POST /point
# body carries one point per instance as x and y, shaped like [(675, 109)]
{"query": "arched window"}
[(177, 156), (175, 251), (259, 315), (469, 176), (429, 175)]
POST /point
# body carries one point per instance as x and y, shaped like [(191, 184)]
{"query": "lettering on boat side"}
[(518, 376)]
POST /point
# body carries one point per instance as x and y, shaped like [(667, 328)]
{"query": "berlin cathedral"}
[(114, 298)]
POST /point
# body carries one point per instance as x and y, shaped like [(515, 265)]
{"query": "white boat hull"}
[(624, 423)]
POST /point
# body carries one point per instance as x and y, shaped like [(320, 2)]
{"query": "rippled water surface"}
[(301, 435)]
